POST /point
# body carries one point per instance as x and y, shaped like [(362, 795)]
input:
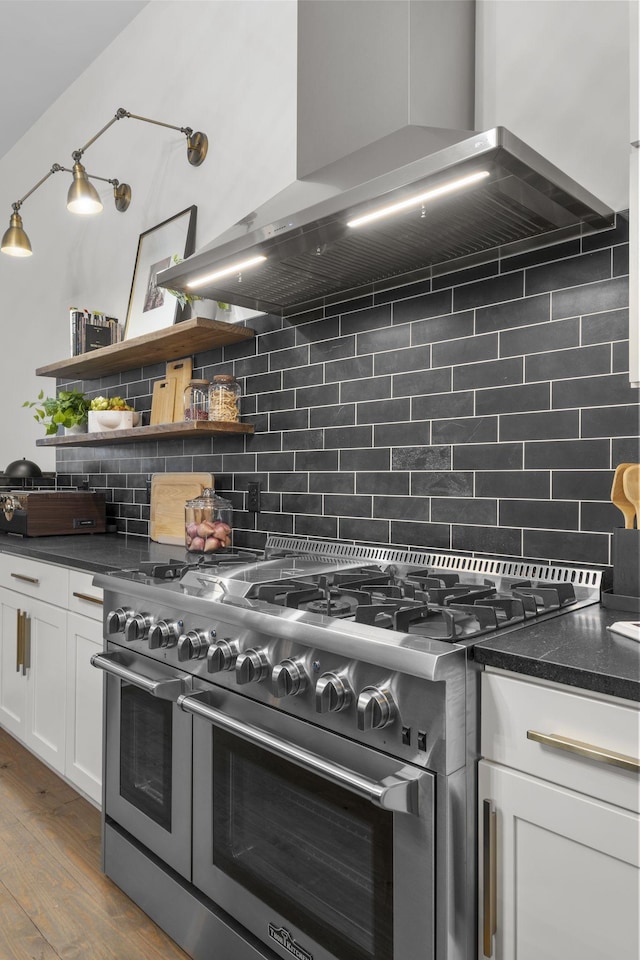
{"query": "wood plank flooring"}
[(55, 903)]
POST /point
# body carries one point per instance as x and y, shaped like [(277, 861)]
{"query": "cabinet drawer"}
[(46, 581), (514, 708), (84, 598)]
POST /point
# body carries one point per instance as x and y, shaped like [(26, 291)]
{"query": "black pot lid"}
[(23, 468)]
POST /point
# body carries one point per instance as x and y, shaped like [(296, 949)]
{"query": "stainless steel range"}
[(291, 744)]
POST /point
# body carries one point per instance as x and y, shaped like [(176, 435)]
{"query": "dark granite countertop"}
[(575, 648), (94, 553)]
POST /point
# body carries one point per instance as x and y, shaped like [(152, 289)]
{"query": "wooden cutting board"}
[(181, 371), (163, 401), (169, 492)]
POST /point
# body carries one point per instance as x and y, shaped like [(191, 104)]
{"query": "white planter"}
[(101, 420), (76, 428), (204, 308)]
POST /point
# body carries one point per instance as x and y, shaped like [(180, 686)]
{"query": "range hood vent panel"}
[(312, 255)]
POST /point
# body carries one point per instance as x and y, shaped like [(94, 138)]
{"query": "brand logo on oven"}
[(284, 938)]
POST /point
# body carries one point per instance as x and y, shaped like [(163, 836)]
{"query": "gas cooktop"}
[(442, 597)]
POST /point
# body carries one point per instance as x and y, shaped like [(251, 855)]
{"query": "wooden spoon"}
[(618, 495), (631, 487)]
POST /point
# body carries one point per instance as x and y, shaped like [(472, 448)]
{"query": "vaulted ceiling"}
[(44, 46)]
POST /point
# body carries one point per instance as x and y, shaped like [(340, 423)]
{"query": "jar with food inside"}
[(208, 525), (224, 398), (196, 400)]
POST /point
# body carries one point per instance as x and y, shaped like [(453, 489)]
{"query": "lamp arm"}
[(197, 143), (54, 169), (132, 116), (93, 176), (77, 154)]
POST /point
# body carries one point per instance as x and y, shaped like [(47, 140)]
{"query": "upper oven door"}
[(321, 847), (147, 760)]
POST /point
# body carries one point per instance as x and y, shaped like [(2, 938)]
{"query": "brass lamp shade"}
[(15, 242), (83, 197)]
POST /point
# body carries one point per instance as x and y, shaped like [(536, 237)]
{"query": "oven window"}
[(314, 852), (145, 753)]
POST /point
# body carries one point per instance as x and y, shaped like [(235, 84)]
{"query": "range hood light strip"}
[(418, 199), (234, 268)]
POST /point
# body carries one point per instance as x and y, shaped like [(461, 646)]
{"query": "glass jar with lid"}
[(224, 398), (208, 523), (196, 400)]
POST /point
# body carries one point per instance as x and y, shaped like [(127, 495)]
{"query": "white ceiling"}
[(44, 46)]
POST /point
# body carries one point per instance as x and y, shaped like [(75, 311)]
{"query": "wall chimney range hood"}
[(406, 188), (311, 252)]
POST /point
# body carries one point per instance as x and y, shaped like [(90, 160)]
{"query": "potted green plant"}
[(69, 410)]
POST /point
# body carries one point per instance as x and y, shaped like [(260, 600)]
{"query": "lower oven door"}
[(321, 847), (147, 756)]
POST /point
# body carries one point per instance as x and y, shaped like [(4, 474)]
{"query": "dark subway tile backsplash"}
[(590, 298), (480, 410), (540, 338), (568, 272)]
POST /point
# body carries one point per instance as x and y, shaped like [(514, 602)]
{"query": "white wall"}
[(556, 73), (226, 67)]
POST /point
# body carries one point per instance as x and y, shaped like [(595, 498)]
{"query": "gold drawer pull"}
[(489, 877), (26, 643), (21, 576), (85, 596), (18, 640), (586, 750)]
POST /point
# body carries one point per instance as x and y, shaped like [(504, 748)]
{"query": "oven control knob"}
[(222, 655), (137, 626), (376, 708), (194, 645), (289, 679), (252, 665), (332, 693), (165, 633), (116, 619)]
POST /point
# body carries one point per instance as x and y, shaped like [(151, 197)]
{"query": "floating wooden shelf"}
[(161, 431), (181, 340)]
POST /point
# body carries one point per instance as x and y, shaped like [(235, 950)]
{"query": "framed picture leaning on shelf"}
[(151, 307)]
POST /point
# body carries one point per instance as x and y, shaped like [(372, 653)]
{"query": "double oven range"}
[(291, 743)]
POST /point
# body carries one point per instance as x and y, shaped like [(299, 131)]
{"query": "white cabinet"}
[(567, 871), (50, 696), (559, 831), (33, 675), (83, 765), (13, 689)]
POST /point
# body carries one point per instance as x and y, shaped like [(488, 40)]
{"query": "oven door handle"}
[(398, 792), (169, 689)]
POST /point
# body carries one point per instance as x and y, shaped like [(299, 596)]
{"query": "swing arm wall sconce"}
[(83, 198)]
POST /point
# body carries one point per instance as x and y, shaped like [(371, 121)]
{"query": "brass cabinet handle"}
[(587, 750), (18, 640), (85, 596), (489, 877), (25, 579), (26, 644)]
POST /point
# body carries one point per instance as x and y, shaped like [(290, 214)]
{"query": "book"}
[(89, 331), (95, 336)]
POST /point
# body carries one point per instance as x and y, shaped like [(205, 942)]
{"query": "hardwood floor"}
[(55, 904)]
